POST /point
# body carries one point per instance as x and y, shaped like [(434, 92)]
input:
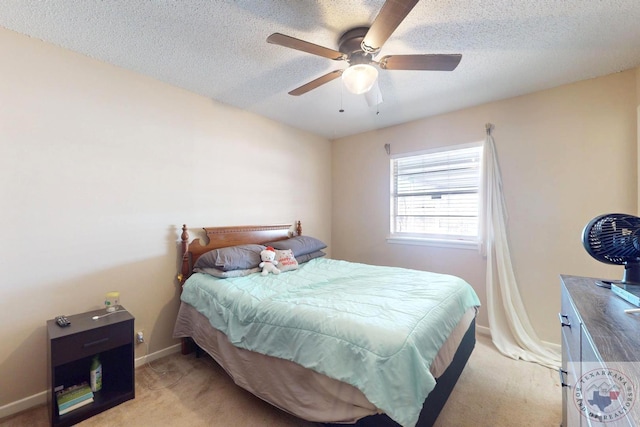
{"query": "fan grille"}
[(613, 238)]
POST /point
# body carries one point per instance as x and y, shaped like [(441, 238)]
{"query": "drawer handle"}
[(92, 343), (562, 373), (562, 318)]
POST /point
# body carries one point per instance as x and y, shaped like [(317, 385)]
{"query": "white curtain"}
[(511, 331)]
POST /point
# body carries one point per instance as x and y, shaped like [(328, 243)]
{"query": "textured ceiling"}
[(218, 48)]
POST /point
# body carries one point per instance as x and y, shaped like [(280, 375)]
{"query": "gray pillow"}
[(300, 245), (308, 257), (240, 257), (224, 274)]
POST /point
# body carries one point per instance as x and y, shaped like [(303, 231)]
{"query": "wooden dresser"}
[(600, 372)]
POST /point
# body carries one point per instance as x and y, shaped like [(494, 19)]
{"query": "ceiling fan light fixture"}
[(359, 78)]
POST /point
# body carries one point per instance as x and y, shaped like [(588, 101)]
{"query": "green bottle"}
[(96, 374)]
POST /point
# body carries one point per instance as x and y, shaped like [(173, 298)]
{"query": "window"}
[(435, 195)]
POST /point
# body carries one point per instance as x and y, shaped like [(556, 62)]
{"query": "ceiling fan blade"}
[(388, 19), (315, 83), (293, 43), (420, 62)]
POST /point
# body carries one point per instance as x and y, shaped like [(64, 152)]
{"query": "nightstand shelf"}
[(70, 351)]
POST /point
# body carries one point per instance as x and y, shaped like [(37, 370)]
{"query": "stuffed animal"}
[(269, 262)]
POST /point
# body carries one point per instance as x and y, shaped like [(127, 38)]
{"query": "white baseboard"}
[(140, 361), (483, 330), (23, 404), (41, 398)]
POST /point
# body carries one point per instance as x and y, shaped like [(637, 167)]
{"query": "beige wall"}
[(637, 70), (566, 154), (99, 168)]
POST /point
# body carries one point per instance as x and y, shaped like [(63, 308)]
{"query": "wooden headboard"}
[(220, 237)]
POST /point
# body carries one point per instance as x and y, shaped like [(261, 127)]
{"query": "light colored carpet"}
[(493, 391)]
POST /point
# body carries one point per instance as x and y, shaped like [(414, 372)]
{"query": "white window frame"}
[(442, 240)]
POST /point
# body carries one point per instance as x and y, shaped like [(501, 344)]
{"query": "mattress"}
[(290, 386), (363, 325)]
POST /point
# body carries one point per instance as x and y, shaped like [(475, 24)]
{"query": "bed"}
[(329, 341)]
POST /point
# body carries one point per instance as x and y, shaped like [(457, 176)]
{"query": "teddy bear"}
[(269, 262)]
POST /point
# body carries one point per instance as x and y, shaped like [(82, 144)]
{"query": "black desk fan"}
[(615, 239)]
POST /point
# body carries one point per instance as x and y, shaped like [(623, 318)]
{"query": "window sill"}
[(457, 244)]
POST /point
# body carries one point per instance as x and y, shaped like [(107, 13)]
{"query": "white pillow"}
[(286, 260)]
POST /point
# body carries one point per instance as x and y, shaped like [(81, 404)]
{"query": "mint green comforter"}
[(376, 328)]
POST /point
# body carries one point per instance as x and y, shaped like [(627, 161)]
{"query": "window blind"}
[(437, 194)]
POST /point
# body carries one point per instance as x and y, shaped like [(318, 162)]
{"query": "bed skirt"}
[(305, 393)]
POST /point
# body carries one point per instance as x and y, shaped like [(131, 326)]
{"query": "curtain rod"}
[(488, 127)]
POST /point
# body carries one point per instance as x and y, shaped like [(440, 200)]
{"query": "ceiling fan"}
[(359, 46)]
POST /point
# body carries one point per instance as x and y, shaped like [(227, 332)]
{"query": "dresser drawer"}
[(602, 373), (77, 346), (570, 325)]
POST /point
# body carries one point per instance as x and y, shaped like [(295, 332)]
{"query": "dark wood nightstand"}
[(70, 351)]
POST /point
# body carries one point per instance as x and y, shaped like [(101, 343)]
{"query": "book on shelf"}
[(76, 406), (74, 397)]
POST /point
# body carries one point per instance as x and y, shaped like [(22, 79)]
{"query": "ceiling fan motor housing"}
[(351, 41), (351, 45)]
